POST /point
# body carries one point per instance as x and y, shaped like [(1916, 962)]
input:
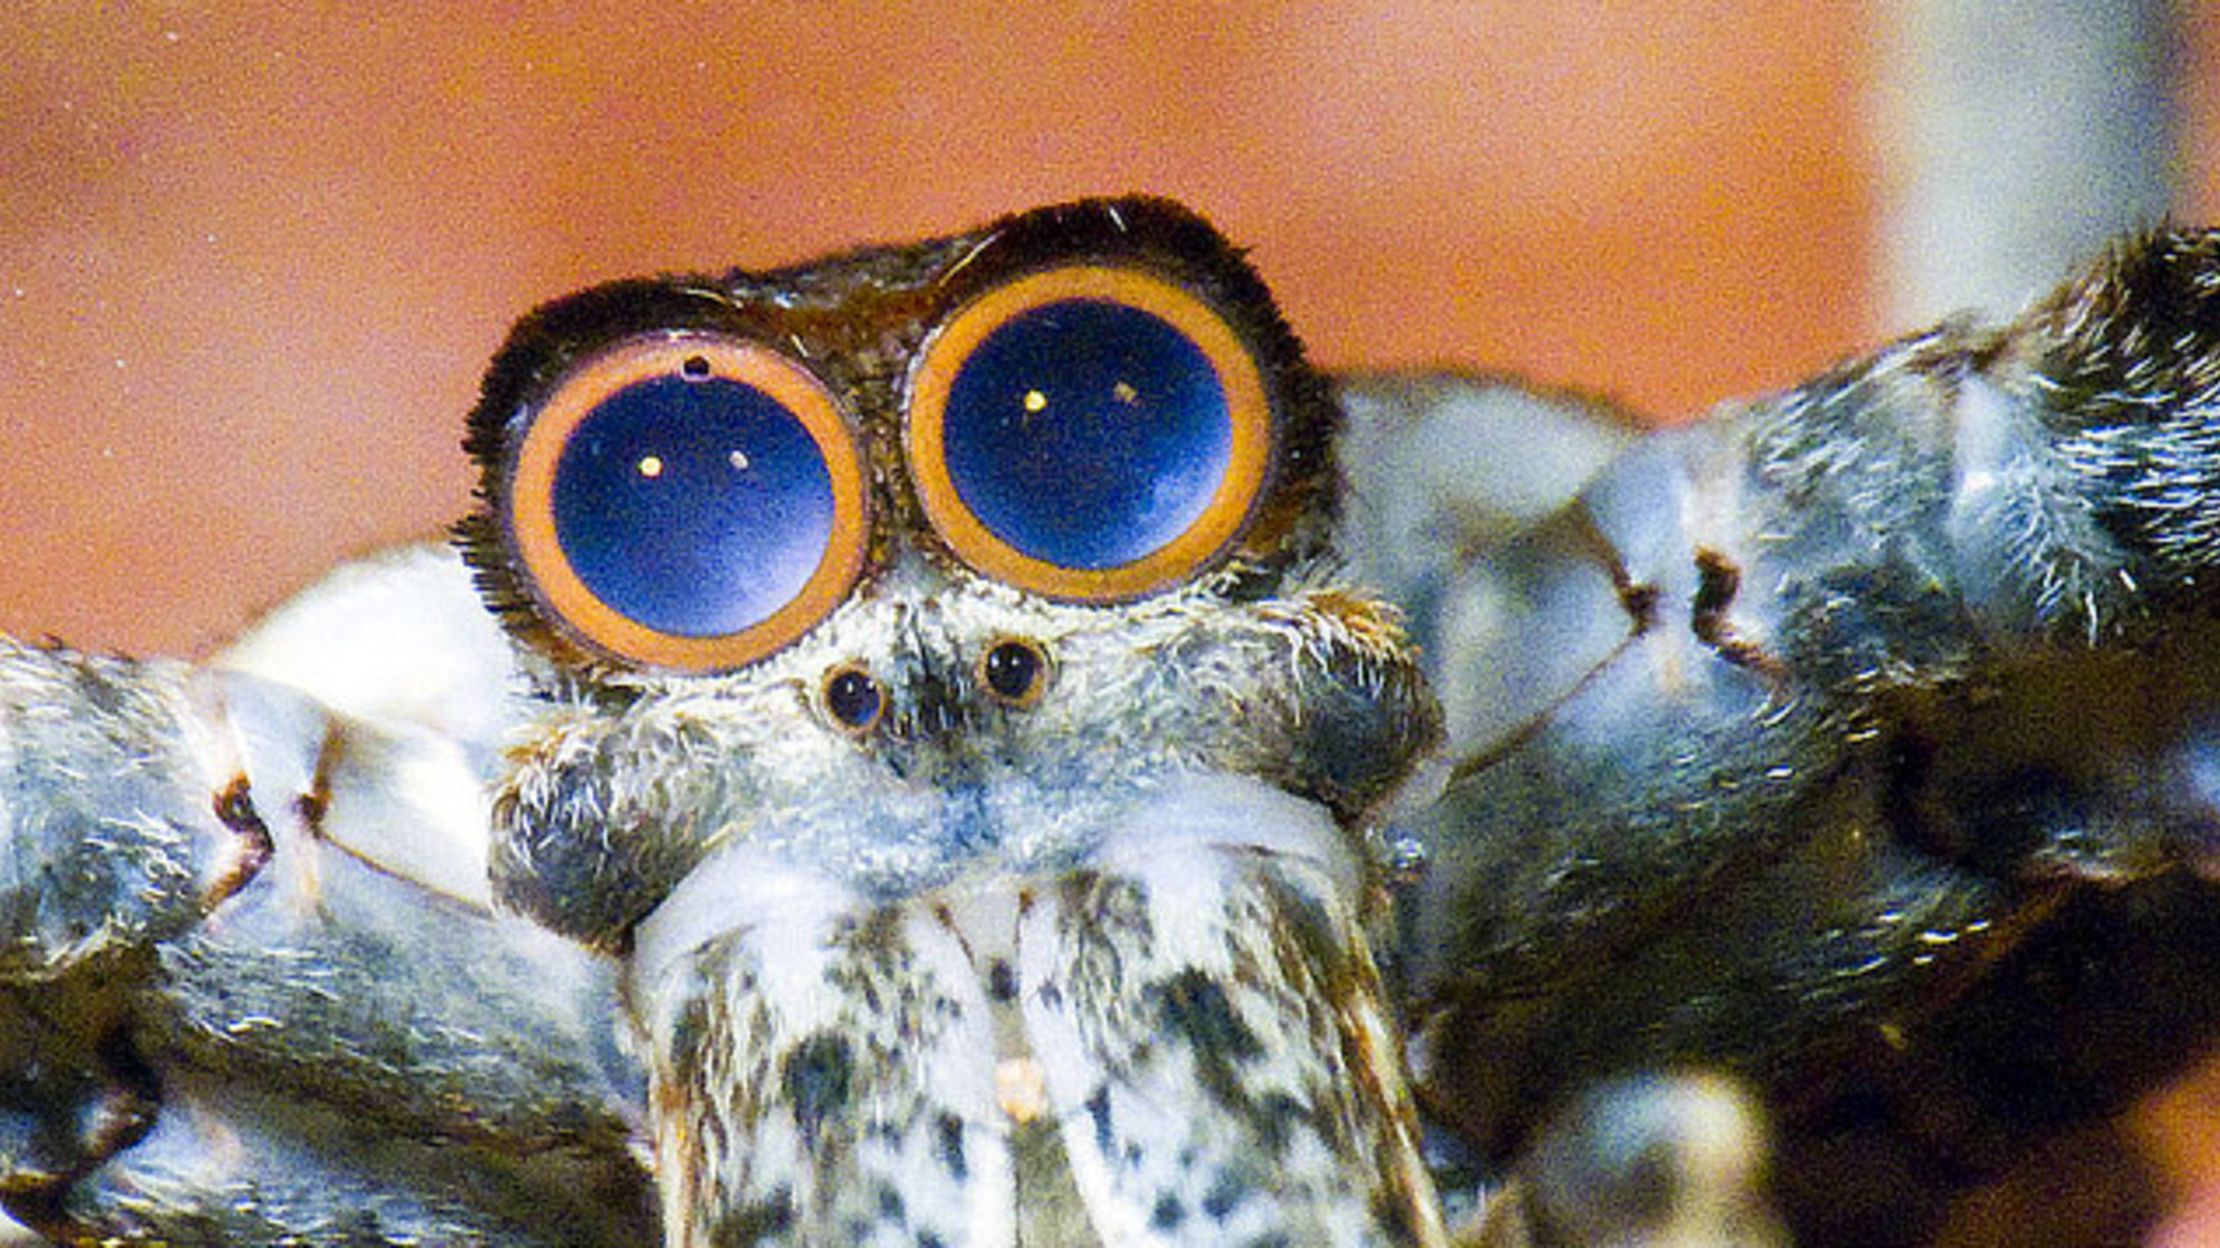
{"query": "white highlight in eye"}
[(738, 459), (650, 466), (1035, 402)]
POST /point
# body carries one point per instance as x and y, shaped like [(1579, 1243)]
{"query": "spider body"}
[(945, 764)]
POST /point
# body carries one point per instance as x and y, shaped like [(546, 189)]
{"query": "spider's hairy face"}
[(940, 725), (958, 726)]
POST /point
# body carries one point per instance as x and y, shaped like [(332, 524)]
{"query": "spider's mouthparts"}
[(1185, 1032)]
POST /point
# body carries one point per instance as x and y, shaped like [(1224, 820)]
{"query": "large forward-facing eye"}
[(688, 501), (1088, 433)]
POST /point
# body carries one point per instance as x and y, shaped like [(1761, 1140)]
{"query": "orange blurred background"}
[(252, 259), (251, 264)]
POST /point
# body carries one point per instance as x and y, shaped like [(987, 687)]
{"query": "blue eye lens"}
[(696, 507), (691, 502), (1087, 434), (1094, 433)]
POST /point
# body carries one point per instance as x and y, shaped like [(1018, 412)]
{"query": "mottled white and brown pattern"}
[(1184, 1043)]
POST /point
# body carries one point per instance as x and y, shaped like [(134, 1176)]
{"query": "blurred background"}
[(253, 256)]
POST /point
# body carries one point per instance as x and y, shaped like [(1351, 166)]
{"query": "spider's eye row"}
[(696, 501)]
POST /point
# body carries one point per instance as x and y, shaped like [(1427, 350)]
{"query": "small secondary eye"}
[(853, 698), (1089, 433), (689, 502), (1014, 671)]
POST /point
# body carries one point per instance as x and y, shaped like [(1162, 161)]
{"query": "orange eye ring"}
[(1220, 520), (537, 531)]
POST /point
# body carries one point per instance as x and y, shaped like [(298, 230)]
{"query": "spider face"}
[(967, 741)]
